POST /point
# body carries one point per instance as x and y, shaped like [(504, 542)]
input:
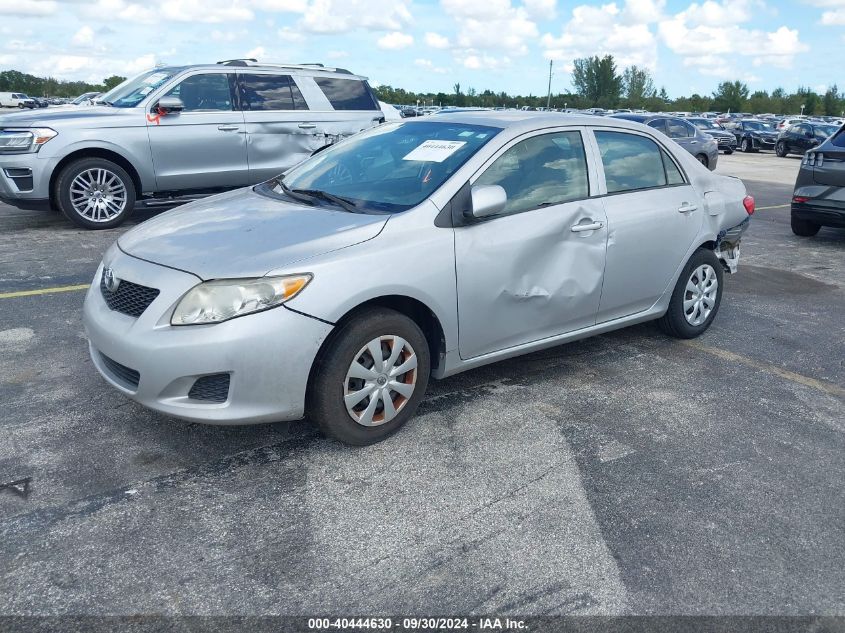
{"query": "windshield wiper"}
[(295, 194), (344, 203)]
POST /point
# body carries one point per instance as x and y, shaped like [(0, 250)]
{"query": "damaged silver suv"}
[(178, 133)]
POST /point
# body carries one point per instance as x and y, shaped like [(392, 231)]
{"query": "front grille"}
[(214, 388), (131, 299), (121, 373)]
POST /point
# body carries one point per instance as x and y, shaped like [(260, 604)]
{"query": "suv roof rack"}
[(249, 61)]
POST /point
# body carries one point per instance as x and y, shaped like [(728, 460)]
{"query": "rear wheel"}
[(696, 298), (781, 150), (702, 158), (804, 228), (370, 378), (95, 193)]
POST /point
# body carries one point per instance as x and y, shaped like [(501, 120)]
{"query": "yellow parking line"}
[(42, 291), (774, 206), (820, 385)]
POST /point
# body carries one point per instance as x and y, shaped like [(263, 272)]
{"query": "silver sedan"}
[(419, 248)]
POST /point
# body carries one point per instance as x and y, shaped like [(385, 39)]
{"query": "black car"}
[(800, 137), (40, 102), (725, 139), (819, 196), (752, 135)]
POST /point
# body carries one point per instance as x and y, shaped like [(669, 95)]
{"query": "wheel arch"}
[(412, 308), (95, 152)]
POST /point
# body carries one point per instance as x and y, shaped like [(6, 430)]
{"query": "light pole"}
[(549, 96), (802, 109)]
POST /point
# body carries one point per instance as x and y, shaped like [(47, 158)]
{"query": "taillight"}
[(800, 199), (748, 203)]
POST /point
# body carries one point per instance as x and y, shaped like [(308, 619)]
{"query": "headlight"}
[(224, 299), (25, 140)]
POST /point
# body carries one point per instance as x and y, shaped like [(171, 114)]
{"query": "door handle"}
[(686, 207), (307, 126), (593, 226), (693, 142), (228, 128)]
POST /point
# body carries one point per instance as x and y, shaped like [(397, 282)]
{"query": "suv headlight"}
[(25, 141), (224, 299)]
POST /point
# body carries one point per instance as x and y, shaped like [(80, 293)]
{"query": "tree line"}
[(596, 81), (16, 81)]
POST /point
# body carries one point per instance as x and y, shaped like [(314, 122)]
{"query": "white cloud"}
[(541, 9), (486, 62), (713, 29), (623, 32), (256, 53), (291, 35), (83, 37), (28, 7), (337, 55), (428, 65), (436, 40), (395, 40), (212, 11), (836, 14), (340, 16)]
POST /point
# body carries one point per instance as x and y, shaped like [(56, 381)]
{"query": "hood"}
[(49, 117), (245, 234)]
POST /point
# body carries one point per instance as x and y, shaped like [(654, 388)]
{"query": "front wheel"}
[(95, 193), (696, 298), (370, 377), (702, 158), (729, 151), (746, 146), (780, 149)]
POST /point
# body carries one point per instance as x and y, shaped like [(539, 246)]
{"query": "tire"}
[(746, 146), (804, 228), (781, 150), (702, 158), (729, 151), (115, 196), (331, 381), (676, 321)]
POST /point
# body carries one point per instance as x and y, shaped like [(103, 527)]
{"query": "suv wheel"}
[(696, 298), (370, 378), (702, 158), (95, 193), (729, 151), (804, 228), (780, 149), (746, 146)]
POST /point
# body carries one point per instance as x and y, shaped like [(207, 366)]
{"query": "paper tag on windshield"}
[(434, 151)]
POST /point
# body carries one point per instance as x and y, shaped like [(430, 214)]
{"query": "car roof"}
[(249, 64), (524, 120)]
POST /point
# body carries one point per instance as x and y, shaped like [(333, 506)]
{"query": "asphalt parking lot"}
[(625, 474)]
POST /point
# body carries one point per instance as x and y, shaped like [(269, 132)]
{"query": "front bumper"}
[(726, 143), (762, 143), (268, 355), (25, 179)]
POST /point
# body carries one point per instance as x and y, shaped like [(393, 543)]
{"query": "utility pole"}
[(549, 97)]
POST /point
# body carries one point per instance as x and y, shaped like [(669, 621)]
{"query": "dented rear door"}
[(536, 270)]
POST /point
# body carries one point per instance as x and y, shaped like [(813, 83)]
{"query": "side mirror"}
[(488, 200), (170, 104)]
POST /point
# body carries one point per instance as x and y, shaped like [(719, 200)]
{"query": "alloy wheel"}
[(98, 195), (380, 381), (700, 294)]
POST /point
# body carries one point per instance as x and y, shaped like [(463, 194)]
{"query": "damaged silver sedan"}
[(415, 249)]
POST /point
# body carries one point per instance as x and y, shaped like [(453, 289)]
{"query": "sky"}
[(429, 45)]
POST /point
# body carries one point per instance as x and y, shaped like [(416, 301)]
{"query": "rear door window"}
[(270, 92), (631, 162), (347, 94), (679, 129)]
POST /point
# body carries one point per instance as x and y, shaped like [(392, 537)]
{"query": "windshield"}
[(390, 168), (705, 124), (132, 91), (823, 131), (757, 125)]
